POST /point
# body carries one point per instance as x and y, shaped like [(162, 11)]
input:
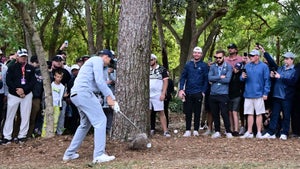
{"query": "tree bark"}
[(132, 86), (161, 36), (91, 45), (99, 26), (24, 13)]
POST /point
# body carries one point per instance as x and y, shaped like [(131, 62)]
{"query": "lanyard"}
[(23, 71)]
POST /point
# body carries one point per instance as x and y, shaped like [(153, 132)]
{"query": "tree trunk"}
[(100, 26), (24, 13), (55, 29), (132, 86), (161, 36), (89, 25)]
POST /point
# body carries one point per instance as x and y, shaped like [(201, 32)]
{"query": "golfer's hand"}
[(116, 107)]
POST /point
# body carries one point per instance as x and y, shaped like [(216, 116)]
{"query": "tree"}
[(25, 16), (132, 86)]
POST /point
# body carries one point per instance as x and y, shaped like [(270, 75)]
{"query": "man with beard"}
[(193, 85), (233, 57), (219, 76)]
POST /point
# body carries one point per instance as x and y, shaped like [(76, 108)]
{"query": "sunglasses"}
[(250, 56), (151, 59), (218, 57)]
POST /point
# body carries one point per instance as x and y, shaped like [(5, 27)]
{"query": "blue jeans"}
[(280, 105), (91, 114)]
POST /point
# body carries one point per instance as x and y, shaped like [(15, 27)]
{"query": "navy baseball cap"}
[(106, 52)]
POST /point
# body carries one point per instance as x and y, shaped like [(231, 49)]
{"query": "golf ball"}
[(175, 131), (149, 145)]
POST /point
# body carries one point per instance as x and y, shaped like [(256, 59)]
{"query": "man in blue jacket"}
[(194, 79), (283, 92), (257, 87), (219, 77)]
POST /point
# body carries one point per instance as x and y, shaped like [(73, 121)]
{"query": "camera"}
[(245, 54)]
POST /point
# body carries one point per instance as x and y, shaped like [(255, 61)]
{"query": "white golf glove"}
[(116, 107)]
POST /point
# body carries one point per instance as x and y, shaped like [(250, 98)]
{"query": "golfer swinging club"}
[(89, 80)]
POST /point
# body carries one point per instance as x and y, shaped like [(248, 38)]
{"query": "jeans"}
[(280, 105)]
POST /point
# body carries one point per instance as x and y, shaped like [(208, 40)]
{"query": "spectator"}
[(282, 96), (295, 115), (20, 80), (194, 79), (235, 93), (89, 79), (219, 76), (3, 95), (37, 94), (257, 87), (233, 57), (73, 118), (57, 65), (158, 90)]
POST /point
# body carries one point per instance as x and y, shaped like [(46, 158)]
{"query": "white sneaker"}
[(242, 131), (229, 135), (187, 133), (207, 132), (71, 157), (258, 135), (195, 133), (283, 137), (216, 135), (103, 158), (268, 136), (167, 134), (247, 135)]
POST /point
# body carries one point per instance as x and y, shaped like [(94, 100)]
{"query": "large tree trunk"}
[(56, 29), (161, 35), (132, 86), (24, 13), (99, 26), (91, 45)]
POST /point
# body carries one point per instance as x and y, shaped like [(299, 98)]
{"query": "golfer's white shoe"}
[(103, 158), (71, 157)]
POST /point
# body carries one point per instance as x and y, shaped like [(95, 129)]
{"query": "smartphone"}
[(245, 54), (67, 43)]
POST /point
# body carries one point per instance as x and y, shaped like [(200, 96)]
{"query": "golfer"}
[(89, 81)]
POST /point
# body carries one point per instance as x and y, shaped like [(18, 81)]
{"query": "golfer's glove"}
[(116, 107)]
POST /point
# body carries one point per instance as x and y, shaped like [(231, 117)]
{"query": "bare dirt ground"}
[(169, 153)]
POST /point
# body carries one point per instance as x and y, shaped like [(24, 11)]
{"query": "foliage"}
[(288, 27), (176, 105)]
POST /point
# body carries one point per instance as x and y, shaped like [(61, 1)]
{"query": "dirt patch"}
[(174, 152)]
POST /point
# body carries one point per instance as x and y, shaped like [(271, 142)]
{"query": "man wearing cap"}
[(158, 90), (235, 93), (257, 88), (20, 80), (57, 66), (233, 57), (283, 93), (89, 80), (193, 85), (72, 119)]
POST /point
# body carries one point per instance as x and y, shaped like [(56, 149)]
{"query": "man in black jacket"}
[(20, 80)]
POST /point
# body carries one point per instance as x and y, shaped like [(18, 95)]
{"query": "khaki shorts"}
[(156, 103), (254, 104)]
